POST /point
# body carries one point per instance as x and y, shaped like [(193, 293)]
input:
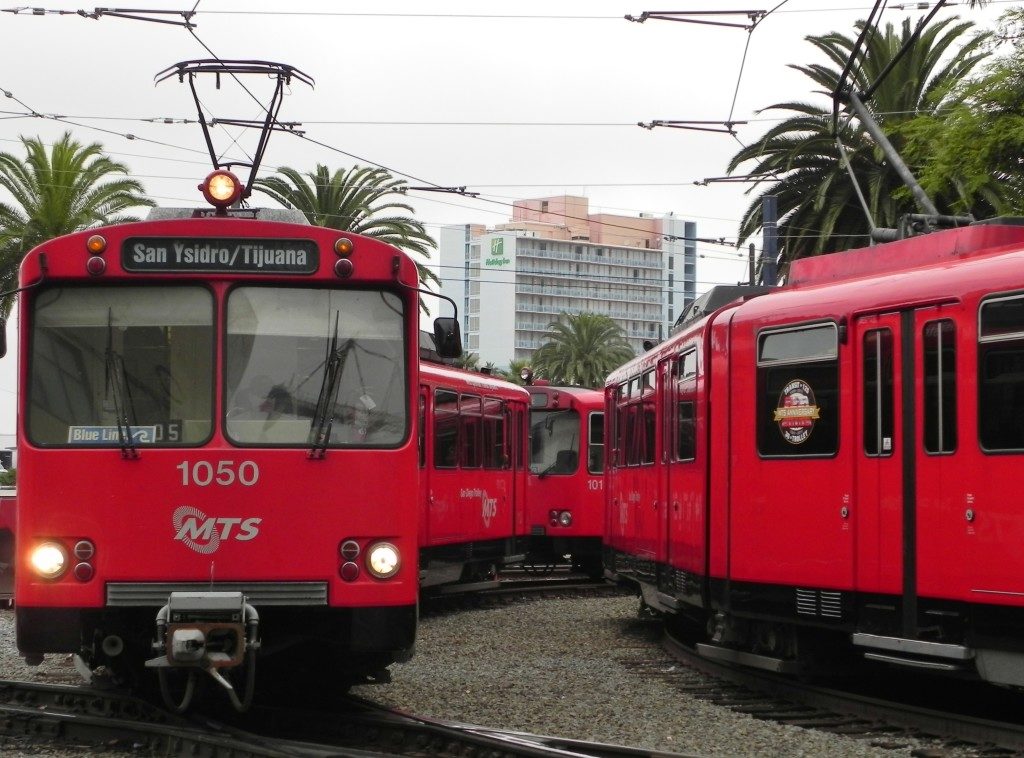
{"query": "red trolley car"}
[(473, 471), (565, 503), (837, 461), (217, 449)]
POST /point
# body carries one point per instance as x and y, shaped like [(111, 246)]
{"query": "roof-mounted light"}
[(343, 247), (221, 189), (96, 244)]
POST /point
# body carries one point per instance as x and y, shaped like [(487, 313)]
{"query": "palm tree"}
[(58, 191), (581, 350), (467, 361), (353, 201), (818, 207)]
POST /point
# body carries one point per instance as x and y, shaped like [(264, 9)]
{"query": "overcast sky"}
[(511, 100)]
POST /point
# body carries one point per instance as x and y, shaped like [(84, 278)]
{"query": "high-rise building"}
[(512, 280)]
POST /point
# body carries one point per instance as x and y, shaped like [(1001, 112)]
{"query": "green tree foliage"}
[(818, 207), (9, 478), (468, 361), (55, 191), (977, 148), (512, 373), (355, 201), (581, 350)]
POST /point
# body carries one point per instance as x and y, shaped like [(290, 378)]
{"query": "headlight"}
[(565, 518), (49, 559), (382, 560)]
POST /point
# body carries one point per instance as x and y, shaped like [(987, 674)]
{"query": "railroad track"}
[(61, 715), (883, 722)]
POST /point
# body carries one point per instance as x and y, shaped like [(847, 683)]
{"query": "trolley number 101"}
[(224, 473)]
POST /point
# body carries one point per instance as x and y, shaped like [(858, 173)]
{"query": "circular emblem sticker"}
[(796, 412)]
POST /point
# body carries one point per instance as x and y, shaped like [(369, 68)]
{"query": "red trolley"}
[(835, 462), (565, 503), (217, 450), (474, 476)]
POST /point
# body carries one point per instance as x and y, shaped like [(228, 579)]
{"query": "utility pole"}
[(752, 264), (769, 218)]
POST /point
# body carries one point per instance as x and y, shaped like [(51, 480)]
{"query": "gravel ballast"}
[(578, 668)]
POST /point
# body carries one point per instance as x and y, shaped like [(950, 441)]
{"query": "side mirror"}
[(447, 337), (3, 337)]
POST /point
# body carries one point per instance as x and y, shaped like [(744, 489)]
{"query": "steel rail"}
[(832, 709)]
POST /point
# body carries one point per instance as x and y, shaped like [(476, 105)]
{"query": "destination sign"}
[(230, 254)]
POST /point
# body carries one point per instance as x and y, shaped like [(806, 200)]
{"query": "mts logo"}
[(204, 533)]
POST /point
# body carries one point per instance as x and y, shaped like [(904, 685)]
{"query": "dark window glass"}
[(1002, 317), (940, 386), (878, 392), (446, 429), (1001, 375), (421, 437), (687, 434), (470, 429), (1001, 395), (808, 344), (798, 392), (595, 453), (649, 422), (494, 434)]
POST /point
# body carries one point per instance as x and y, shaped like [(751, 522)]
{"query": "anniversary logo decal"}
[(247, 256), (796, 412)]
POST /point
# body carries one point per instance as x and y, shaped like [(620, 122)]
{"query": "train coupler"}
[(206, 631)]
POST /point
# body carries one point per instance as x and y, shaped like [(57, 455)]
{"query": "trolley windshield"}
[(554, 442), (125, 366), (315, 367)]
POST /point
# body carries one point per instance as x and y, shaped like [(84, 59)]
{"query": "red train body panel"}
[(565, 503), (473, 474), (840, 455), (216, 404)]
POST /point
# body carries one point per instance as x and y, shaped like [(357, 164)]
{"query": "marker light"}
[(84, 550), (349, 550), (96, 244), (344, 268), (221, 188), (382, 560), (95, 265), (49, 559), (343, 247)]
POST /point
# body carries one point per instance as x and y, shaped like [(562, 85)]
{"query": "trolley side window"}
[(135, 358), (595, 449), (798, 392), (494, 434), (1001, 375), (940, 420), (470, 423), (686, 434), (878, 393), (446, 429), (686, 406)]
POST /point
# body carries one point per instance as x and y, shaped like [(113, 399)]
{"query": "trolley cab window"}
[(305, 364), (554, 442), (116, 366)]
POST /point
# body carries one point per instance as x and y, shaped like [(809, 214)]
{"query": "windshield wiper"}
[(116, 383), (323, 416)]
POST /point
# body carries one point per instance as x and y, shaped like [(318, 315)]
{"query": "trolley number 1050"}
[(224, 473)]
